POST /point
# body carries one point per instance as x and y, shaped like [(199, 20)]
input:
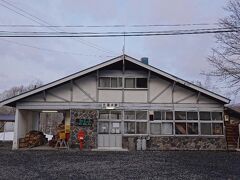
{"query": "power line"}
[(30, 18), (129, 34), (51, 50), (115, 32), (110, 26)]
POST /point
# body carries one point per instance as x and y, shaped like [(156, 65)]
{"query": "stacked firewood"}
[(33, 139)]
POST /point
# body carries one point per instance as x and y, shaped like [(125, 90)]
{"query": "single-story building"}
[(232, 126), (121, 100), (6, 127)]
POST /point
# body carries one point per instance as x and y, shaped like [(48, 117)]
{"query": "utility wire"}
[(81, 41), (110, 26), (129, 35), (115, 32), (51, 50)]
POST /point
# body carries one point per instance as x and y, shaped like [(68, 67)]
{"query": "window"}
[(163, 115), (129, 127), (115, 127), (141, 82), (103, 114), (116, 115), (104, 82), (217, 128), (157, 115), (129, 115), (103, 128), (110, 114), (141, 127), (141, 115), (192, 128), (129, 83), (180, 115), (192, 116), (180, 128), (136, 83), (169, 115), (155, 128), (135, 115), (206, 129), (205, 116), (167, 128), (217, 116), (110, 82)]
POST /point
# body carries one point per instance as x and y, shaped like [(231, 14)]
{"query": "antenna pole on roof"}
[(123, 43), (123, 50)]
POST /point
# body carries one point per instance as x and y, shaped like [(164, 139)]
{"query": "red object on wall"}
[(81, 135)]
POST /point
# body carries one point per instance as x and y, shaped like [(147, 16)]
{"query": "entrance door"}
[(109, 135)]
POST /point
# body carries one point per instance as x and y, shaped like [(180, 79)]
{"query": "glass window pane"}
[(167, 128), (129, 115), (192, 116), (157, 115), (141, 128), (129, 127), (120, 82), (205, 116), (217, 128), (114, 82), (180, 115), (104, 82), (115, 128), (155, 128), (116, 115), (206, 128), (180, 128), (192, 128), (103, 114), (129, 83), (169, 115), (103, 128), (141, 115), (216, 115), (141, 82)]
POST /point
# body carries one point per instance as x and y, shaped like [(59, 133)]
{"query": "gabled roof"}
[(12, 100)]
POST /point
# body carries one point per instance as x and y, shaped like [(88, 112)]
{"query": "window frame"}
[(119, 79), (135, 121), (135, 82)]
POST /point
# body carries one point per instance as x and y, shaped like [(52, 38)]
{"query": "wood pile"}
[(33, 139)]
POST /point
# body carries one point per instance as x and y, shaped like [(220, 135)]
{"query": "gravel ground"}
[(73, 164)]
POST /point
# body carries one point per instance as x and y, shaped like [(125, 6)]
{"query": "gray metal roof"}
[(7, 117), (109, 62)]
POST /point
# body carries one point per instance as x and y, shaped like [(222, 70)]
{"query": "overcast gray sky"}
[(184, 56)]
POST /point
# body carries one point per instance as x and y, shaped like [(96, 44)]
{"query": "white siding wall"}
[(139, 96), (110, 95), (85, 90)]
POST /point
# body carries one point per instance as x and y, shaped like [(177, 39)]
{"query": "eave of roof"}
[(12, 100)]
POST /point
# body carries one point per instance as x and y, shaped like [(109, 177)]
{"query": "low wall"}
[(90, 140), (179, 143)]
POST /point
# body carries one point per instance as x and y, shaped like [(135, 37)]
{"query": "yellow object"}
[(67, 128), (62, 136)]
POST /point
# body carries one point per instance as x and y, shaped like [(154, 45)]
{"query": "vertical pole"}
[(16, 134), (97, 91), (123, 69), (71, 89), (148, 86)]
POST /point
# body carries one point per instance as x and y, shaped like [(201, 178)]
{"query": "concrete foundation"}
[(179, 143)]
